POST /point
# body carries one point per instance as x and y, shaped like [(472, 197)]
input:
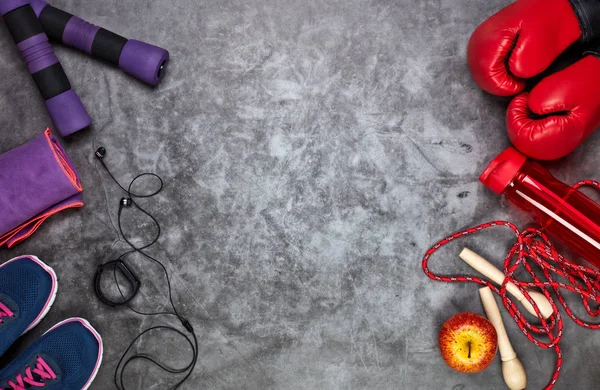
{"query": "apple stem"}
[(469, 355)]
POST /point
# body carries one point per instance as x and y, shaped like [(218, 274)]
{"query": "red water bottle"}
[(563, 212)]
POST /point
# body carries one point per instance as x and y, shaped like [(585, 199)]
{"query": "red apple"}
[(468, 342)]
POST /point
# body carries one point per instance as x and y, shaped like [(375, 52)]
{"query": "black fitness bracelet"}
[(133, 280)]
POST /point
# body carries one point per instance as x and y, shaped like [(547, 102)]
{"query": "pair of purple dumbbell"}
[(32, 22)]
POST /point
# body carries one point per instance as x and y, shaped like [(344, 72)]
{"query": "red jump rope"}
[(563, 213)]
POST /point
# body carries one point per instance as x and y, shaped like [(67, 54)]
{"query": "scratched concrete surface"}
[(312, 150)]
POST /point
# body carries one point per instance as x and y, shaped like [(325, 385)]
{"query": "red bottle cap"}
[(502, 170)]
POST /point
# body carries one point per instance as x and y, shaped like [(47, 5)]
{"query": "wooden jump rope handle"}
[(512, 369), (489, 270)]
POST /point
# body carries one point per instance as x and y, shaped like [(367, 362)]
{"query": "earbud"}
[(100, 153), (126, 202)]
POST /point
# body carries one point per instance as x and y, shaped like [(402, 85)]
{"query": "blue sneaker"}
[(67, 357), (27, 292)]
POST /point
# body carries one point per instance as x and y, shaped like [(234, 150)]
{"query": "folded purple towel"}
[(37, 180)]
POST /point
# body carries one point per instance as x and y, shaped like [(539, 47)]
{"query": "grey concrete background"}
[(312, 150)]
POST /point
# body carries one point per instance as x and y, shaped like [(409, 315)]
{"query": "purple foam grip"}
[(37, 180), (37, 53), (80, 34), (143, 61), (68, 113)]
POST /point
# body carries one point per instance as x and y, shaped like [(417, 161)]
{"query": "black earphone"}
[(100, 153), (119, 265)]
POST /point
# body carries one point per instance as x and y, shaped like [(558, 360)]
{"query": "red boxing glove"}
[(559, 113), (523, 39)]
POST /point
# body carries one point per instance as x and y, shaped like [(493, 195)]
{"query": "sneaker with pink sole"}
[(27, 291), (67, 357)]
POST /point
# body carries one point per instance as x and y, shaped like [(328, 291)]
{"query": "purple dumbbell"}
[(65, 107), (141, 60)]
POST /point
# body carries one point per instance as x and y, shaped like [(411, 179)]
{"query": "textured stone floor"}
[(312, 151)]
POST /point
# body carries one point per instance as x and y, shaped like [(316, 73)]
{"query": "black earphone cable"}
[(119, 264)]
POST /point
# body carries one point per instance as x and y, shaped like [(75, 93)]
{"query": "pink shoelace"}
[(42, 372), (4, 312)]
